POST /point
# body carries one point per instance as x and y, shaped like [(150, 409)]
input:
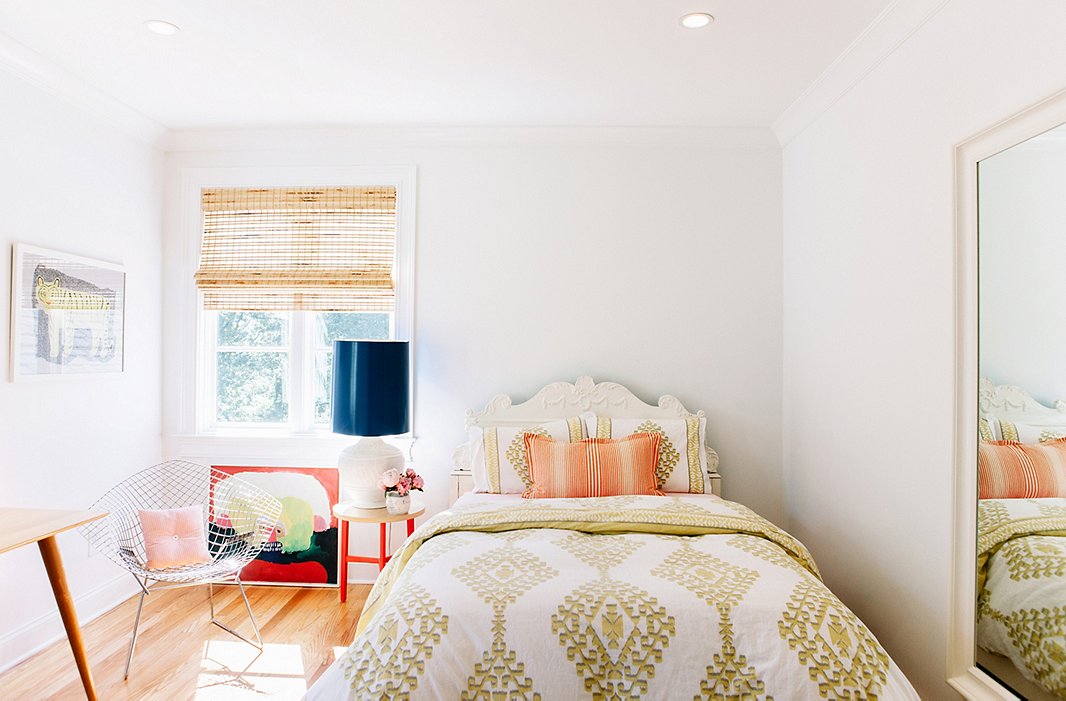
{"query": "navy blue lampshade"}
[(370, 387)]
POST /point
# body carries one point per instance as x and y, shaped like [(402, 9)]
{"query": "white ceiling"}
[(239, 63)]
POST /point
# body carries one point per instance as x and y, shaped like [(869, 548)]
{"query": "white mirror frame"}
[(963, 673)]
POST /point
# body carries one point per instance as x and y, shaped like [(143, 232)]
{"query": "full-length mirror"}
[(1020, 617)]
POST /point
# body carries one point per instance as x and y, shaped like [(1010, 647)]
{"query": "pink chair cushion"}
[(174, 537)]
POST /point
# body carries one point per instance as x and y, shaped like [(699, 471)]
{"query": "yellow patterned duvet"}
[(1021, 609), (672, 597)]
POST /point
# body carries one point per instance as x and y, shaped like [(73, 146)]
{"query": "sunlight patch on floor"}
[(236, 670)]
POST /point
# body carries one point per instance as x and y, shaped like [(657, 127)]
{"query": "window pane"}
[(252, 328), (323, 382), (251, 387), (329, 326)]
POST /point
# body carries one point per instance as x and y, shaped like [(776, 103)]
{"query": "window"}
[(252, 367), (283, 273), (328, 327), (274, 369)]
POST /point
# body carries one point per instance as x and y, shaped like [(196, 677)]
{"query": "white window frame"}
[(197, 433)]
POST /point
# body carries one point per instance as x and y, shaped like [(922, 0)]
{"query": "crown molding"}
[(332, 138), (22, 62), (889, 30)]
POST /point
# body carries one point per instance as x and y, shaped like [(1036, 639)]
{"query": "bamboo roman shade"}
[(292, 248)]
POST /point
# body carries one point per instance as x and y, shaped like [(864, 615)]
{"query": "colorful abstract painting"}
[(303, 550), (67, 314)]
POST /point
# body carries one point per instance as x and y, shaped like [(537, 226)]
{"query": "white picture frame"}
[(67, 315)]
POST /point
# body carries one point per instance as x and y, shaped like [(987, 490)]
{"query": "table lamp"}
[(370, 399)]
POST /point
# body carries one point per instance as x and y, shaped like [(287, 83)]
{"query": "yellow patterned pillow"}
[(498, 459), (987, 428), (682, 456)]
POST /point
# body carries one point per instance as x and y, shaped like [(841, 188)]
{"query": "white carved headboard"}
[(561, 400), (1015, 404)]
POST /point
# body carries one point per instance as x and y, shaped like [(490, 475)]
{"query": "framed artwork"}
[(67, 314), (304, 548)]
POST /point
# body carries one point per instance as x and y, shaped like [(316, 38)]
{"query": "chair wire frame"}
[(239, 519)]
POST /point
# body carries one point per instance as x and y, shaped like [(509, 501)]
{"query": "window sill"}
[(267, 447)]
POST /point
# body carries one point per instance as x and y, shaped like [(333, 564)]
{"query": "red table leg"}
[(410, 527), (344, 561), (381, 550)]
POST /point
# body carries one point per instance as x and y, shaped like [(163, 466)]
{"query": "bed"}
[(684, 595), (1021, 557)]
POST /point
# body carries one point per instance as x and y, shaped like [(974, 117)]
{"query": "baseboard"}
[(42, 631)]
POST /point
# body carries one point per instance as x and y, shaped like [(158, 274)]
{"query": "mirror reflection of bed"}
[(1020, 630), (1021, 549)]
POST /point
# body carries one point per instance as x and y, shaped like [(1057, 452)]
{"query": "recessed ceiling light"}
[(696, 20), (160, 27)]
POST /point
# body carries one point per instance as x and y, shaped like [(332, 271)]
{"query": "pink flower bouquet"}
[(400, 483)]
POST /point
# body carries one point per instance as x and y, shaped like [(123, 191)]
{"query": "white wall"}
[(1023, 286), (71, 184), (544, 255), (869, 312)]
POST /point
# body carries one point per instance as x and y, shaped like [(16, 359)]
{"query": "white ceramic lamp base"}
[(360, 468)]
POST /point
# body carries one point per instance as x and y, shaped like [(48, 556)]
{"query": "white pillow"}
[(682, 455), (1029, 433), (498, 453)]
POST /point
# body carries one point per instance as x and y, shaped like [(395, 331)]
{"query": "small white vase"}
[(395, 504)]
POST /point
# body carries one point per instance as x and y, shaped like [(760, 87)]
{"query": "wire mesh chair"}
[(239, 519)]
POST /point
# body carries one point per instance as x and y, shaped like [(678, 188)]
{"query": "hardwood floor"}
[(180, 655)]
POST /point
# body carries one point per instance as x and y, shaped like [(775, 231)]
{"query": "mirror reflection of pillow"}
[(988, 428), (174, 537), (1013, 470), (1030, 433)]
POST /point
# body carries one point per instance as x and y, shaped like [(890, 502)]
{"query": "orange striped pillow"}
[(594, 467), (1012, 470)]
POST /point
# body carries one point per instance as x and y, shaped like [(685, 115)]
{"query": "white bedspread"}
[(622, 597), (1021, 609)]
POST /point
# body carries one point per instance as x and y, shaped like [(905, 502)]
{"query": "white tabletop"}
[(24, 526), (346, 512)]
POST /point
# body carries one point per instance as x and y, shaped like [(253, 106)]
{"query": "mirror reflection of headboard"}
[(560, 400), (1013, 403)]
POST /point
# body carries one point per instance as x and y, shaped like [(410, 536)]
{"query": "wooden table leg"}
[(381, 550), (53, 564), (344, 561)]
